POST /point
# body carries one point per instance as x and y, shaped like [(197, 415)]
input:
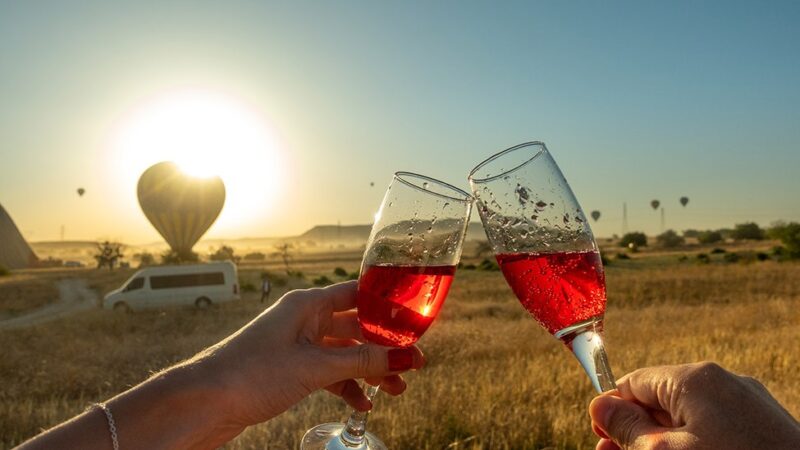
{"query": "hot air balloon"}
[(180, 207), (595, 215), (684, 200), (81, 191), (655, 204), (371, 184)]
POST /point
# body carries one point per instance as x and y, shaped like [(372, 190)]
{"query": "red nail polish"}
[(400, 359)]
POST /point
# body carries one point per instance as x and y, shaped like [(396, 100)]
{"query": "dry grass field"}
[(494, 378)]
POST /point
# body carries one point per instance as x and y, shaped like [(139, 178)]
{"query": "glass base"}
[(328, 437)]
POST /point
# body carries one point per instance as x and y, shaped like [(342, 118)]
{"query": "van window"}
[(186, 280), (136, 283)]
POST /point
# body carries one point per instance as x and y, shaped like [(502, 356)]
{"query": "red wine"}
[(397, 304), (558, 289)]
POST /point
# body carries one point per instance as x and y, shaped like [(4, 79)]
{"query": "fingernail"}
[(400, 359)]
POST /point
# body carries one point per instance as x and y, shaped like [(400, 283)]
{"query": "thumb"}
[(368, 360), (626, 423)]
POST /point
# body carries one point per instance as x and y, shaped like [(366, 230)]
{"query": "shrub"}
[(703, 258), (731, 257), (322, 281), (605, 261), (709, 237), (469, 267), (717, 251), (3, 271), (353, 276), (669, 239), (255, 256), (247, 286), (683, 258), (623, 256), (295, 274), (488, 264), (339, 272), (636, 238), (748, 230), (761, 256), (279, 281), (690, 233)]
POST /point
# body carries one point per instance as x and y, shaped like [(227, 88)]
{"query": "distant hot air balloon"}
[(180, 207), (81, 191), (655, 204), (371, 184), (595, 215), (684, 200)]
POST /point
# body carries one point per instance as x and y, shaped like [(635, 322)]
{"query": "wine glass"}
[(545, 248), (406, 272)]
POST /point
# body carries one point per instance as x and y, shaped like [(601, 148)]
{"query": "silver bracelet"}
[(111, 425)]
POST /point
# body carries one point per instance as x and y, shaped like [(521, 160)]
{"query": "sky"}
[(635, 100)]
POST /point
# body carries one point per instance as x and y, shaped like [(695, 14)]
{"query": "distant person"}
[(266, 288), (691, 406), (250, 377)]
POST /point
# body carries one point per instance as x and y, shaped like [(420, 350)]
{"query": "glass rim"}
[(542, 149), (403, 176)]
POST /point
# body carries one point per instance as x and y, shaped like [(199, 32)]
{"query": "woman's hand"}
[(310, 339)]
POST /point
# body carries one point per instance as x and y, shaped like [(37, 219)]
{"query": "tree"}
[(255, 256), (748, 230), (669, 239), (636, 238), (789, 235), (108, 254), (145, 259), (709, 237), (173, 257), (224, 253), (286, 252)]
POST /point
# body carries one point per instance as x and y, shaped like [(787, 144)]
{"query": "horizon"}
[(305, 109)]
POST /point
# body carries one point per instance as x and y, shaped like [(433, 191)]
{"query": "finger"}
[(368, 360), (606, 444), (351, 393), (336, 342), (624, 422), (341, 296), (651, 387), (344, 325), (393, 385)]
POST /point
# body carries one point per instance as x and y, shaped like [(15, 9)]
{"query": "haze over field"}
[(305, 109)]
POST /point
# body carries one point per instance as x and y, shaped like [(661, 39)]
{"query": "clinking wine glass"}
[(406, 272), (546, 250)]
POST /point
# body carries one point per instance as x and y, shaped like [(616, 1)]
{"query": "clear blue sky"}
[(636, 100)]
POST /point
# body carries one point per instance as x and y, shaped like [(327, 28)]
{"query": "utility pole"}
[(624, 219)]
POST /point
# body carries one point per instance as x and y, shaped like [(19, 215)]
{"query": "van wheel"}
[(122, 307), (202, 302)]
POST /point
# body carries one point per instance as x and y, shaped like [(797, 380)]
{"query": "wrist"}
[(182, 407)]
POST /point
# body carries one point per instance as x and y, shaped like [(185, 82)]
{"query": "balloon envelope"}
[(81, 191), (684, 200), (655, 204), (595, 215), (180, 207)]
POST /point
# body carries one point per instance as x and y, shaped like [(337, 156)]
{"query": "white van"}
[(159, 286)]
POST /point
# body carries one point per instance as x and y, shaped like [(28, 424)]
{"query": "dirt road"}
[(73, 296)]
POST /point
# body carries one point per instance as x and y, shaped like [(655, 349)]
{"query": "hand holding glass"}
[(406, 272)]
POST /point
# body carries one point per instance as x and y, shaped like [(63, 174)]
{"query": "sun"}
[(207, 134)]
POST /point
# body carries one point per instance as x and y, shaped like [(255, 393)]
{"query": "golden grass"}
[(494, 378)]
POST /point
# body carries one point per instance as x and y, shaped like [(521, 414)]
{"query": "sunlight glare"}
[(207, 134)]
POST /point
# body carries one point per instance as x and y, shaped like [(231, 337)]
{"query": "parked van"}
[(155, 287)]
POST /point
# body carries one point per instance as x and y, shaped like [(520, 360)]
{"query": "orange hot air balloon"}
[(180, 207)]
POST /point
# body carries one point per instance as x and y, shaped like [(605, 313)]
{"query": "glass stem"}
[(356, 426), (586, 342)]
